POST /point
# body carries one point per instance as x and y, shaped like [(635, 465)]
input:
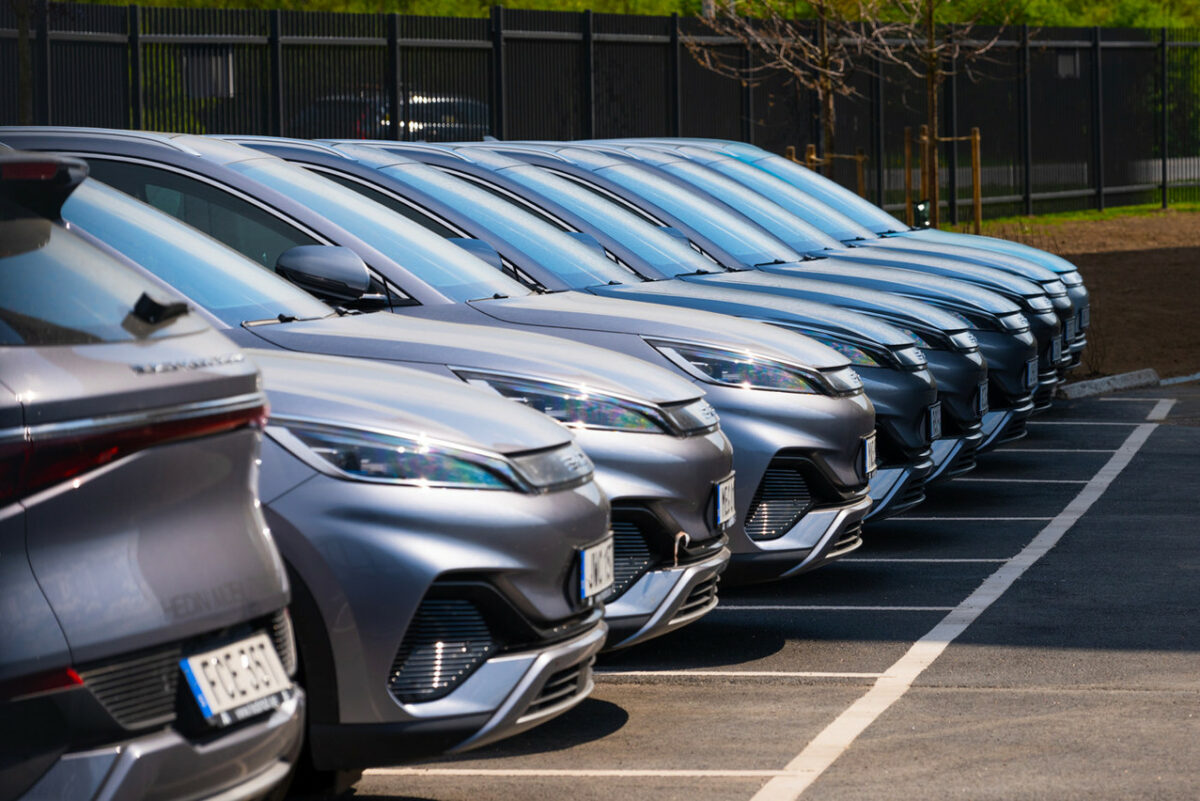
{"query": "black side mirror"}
[(479, 249), (331, 273)]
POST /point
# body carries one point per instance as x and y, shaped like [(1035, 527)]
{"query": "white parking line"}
[(1056, 450), (829, 608), (737, 674), (1077, 423), (612, 773), (1023, 480), (833, 741), (1161, 409), (969, 519), (919, 561), (1128, 400)]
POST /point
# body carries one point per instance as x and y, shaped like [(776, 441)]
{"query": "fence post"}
[(396, 106), (810, 156), (498, 72), (1162, 94), (879, 177), (976, 181), (675, 78), (923, 141), (1027, 119), (275, 87), (748, 100), (860, 159), (908, 207), (41, 60), (1097, 118), (952, 133), (589, 75), (137, 89)]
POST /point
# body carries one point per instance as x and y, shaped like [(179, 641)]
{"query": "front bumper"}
[(244, 764), (954, 456), (898, 489), (676, 596)]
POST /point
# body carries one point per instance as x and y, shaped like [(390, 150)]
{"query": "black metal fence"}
[(1071, 118)]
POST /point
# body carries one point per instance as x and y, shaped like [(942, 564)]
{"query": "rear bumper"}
[(242, 765), (507, 695), (676, 596)]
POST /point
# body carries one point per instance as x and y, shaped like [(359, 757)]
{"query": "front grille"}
[(137, 690), (284, 639), (782, 498), (701, 596), (631, 556), (560, 688), (446, 641)]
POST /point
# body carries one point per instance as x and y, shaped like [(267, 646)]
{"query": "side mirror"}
[(331, 273), (589, 240), (479, 249)]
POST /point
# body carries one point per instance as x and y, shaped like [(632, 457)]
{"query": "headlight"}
[(736, 369), (917, 338), (910, 357), (854, 353), (1014, 322), (383, 457), (1039, 303), (1054, 288), (1072, 278), (695, 417), (575, 407), (964, 341)]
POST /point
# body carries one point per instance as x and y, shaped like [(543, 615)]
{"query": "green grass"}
[(1086, 215)]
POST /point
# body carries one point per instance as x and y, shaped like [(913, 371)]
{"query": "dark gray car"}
[(137, 575)]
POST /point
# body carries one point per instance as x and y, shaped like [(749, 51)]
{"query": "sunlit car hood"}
[(581, 311), (993, 245), (939, 266), (357, 393), (392, 337), (761, 306), (984, 258)]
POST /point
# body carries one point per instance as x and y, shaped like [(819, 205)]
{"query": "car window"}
[(238, 223), (222, 281), (832, 194), (56, 289), (395, 204)]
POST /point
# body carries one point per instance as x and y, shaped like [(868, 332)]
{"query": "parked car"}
[(367, 115), (147, 651), (793, 409), (875, 226), (901, 389)]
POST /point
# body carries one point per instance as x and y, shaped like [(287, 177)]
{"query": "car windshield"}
[(730, 232), (831, 194), (441, 264), (573, 262), (807, 208), (665, 253), (766, 213), (222, 281)]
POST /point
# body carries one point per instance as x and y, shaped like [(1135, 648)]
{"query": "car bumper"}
[(676, 595), (898, 489), (954, 456), (244, 764)]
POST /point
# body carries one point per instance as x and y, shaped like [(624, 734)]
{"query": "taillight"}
[(39, 684), (29, 170), (29, 466)]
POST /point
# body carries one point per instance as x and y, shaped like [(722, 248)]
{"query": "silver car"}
[(136, 570)]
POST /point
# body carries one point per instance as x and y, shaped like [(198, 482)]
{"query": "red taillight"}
[(39, 683), (27, 467), (29, 170)]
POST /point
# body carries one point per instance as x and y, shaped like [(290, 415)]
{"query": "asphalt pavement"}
[(1032, 631)]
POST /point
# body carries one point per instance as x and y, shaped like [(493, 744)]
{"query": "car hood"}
[(990, 277), (994, 245), (390, 337), (582, 311), (357, 393), (851, 297), (910, 283), (758, 306), (1009, 263)]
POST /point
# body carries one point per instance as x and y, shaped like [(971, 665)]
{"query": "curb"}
[(1110, 383)]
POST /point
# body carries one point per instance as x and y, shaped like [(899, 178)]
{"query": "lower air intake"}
[(446, 641), (560, 688), (782, 498)]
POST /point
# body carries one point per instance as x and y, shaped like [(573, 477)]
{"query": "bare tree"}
[(816, 44)]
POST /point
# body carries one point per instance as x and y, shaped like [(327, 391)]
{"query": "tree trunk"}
[(825, 90), (933, 79)]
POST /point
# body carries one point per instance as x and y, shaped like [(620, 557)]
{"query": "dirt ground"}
[(1143, 273)]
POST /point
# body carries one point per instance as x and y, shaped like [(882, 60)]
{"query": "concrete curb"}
[(1109, 383)]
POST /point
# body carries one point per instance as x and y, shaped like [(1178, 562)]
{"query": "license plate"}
[(237, 681), (1055, 349), (869, 457), (1031, 373), (1085, 317), (726, 503), (935, 421), (983, 398), (595, 569)]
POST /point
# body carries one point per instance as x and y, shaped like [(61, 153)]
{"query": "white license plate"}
[(869, 456), (983, 398), (595, 569), (238, 680), (1085, 316), (1056, 349), (726, 503), (1031, 373), (935, 421)]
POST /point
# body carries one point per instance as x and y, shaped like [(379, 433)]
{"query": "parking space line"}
[(906, 519), (920, 561), (1025, 480), (738, 674), (832, 742), (828, 608), (1161, 410), (609, 773), (1080, 423), (1128, 400), (1056, 450)]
